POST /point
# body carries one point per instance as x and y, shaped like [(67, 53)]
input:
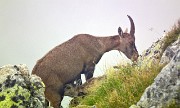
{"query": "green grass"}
[(122, 88)]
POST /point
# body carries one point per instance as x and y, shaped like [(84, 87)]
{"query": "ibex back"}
[(66, 62)]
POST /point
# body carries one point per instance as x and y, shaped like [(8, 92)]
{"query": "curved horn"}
[(132, 31)]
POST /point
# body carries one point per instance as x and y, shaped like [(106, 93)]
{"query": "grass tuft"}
[(122, 88)]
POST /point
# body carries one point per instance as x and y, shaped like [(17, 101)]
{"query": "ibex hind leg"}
[(54, 96), (47, 103), (89, 73)]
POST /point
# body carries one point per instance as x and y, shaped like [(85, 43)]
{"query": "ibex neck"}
[(109, 43)]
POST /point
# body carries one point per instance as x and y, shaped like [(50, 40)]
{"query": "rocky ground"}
[(166, 87), (19, 89)]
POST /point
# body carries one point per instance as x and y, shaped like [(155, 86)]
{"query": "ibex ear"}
[(120, 32)]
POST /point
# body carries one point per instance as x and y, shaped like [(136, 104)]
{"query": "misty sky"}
[(30, 28)]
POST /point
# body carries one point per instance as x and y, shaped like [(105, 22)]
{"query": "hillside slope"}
[(123, 86)]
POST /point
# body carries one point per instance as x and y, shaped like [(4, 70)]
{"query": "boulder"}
[(19, 89), (152, 55), (165, 90), (170, 52)]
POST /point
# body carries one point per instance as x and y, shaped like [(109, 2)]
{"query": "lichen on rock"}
[(170, 52), (18, 89), (166, 87), (152, 55)]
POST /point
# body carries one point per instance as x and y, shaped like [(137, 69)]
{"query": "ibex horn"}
[(132, 31)]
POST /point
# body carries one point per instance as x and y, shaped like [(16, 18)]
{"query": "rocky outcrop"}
[(170, 52), (18, 89), (152, 55), (166, 87), (156, 54), (165, 90)]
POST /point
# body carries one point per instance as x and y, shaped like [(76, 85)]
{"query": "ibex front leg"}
[(89, 73)]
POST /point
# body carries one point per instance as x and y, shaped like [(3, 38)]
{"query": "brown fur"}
[(66, 62), (86, 88), (78, 92)]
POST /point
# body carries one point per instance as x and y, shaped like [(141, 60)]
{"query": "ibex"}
[(81, 91), (86, 88), (67, 61)]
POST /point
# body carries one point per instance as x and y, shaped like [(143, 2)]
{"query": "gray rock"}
[(166, 87), (18, 89), (152, 55), (170, 52)]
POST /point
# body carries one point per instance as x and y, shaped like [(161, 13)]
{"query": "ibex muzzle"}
[(66, 62)]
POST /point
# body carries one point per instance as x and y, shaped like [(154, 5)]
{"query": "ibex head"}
[(127, 42)]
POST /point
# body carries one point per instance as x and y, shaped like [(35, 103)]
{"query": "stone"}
[(170, 52), (19, 89), (166, 87), (152, 55)]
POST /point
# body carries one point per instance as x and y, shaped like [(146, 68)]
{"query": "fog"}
[(30, 28)]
